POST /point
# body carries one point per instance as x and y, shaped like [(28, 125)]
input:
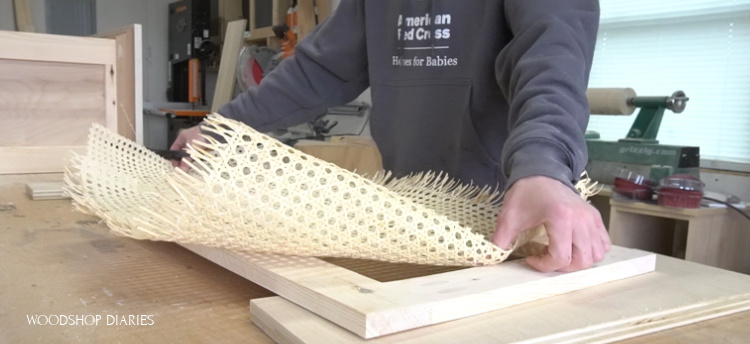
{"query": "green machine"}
[(639, 151)]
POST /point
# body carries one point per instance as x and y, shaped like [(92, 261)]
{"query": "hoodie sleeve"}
[(543, 73), (329, 67)]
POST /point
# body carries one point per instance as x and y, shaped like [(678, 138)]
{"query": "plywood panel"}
[(45, 159), (48, 103), (52, 88), (676, 294), (370, 308)]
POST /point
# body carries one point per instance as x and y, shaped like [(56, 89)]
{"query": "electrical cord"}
[(728, 205), (353, 134)]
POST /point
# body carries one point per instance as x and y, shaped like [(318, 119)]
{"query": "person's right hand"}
[(186, 136)]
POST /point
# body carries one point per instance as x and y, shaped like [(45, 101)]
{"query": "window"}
[(699, 46)]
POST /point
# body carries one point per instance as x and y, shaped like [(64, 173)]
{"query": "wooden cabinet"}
[(713, 236)]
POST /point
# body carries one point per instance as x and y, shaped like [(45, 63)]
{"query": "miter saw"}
[(254, 63), (639, 151)]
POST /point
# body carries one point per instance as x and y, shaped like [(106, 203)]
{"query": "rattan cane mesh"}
[(249, 192)]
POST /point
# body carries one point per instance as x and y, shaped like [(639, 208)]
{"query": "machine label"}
[(649, 151)]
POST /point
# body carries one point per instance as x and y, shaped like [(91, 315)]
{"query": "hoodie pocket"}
[(423, 125)]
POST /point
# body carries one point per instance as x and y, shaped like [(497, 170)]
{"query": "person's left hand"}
[(577, 237)]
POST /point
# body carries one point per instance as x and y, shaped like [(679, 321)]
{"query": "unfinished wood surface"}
[(43, 191), (228, 65), (129, 43), (48, 103), (52, 88), (715, 236), (43, 159), (55, 261), (370, 308), (23, 16), (56, 48), (352, 153), (676, 294), (307, 12)]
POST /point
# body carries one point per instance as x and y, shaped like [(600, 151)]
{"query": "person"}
[(491, 92)]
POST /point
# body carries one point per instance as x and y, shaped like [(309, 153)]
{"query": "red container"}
[(681, 191), (633, 186), (633, 190)]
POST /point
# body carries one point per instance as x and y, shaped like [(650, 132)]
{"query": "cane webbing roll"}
[(248, 192)]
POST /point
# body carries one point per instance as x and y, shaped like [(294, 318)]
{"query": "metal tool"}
[(640, 151), (172, 154)]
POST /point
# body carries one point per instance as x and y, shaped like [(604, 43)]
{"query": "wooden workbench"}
[(57, 262)]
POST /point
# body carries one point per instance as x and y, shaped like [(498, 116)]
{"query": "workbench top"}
[(54, 261)]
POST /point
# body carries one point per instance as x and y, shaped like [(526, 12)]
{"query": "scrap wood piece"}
[(46, 191), (230, 52)]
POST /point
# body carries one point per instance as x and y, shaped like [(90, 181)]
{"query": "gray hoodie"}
[(488, 91)]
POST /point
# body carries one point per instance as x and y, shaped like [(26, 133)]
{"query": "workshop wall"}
[(152, 15), (7, 18), (8, 15), (728, 182)]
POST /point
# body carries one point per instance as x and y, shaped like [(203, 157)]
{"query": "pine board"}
[(129, 43), (370, 308), (678, 293), (23, 16), (228, 66)]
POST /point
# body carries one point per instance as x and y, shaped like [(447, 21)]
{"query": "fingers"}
[(601, 243), (185, 136), (560, 252), (588, 245), (179, 143), (582, 252), (506, 230), (577, 236), (183, 164)]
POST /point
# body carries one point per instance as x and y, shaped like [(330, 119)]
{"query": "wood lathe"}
[(639, 151)]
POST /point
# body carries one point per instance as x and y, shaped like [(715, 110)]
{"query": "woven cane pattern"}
[(249, 192)]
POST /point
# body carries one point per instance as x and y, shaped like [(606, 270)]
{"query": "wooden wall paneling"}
[(129, 41), (354, 153), (370, 308), (52, 88)]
